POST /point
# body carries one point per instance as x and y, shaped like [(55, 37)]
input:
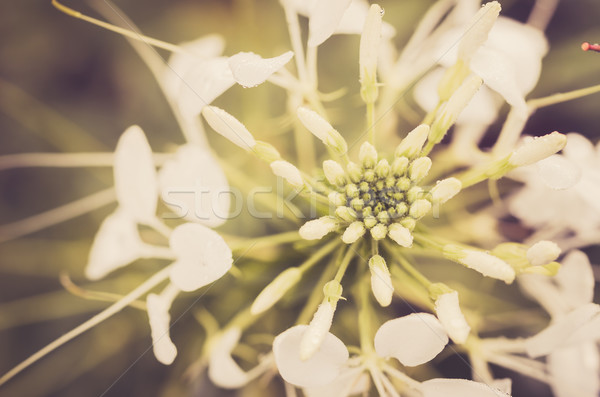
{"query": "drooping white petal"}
[(575, 279), (557, 334), (413, 340), (325, 16), (223, 371), (202, 256), (558, 173), (250, 69), (574, 371), (441, 387), (117, 243), (448, 312), (158, 314), (135, 175), (287, 171), (194, 186), (229, 127), (322, 368)]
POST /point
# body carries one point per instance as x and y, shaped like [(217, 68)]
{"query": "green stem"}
[(343, 266), (365, 330), (92, 322), (561, 97)]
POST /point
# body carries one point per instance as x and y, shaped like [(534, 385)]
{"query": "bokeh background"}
[(68, 86)]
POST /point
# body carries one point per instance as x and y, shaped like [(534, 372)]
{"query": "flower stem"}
[(561, 97), (92, 322)]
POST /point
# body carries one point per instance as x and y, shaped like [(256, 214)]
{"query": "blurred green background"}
[(68, 86)]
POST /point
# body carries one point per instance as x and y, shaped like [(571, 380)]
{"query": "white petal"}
[(413, 340), (441, 387), (558, 173), (223, 371), (158, 314), (478, 29), (557, 334), (401, 235), (229, 127), (116, 244), (319, 370), (574, 371), (194, 186), (250, 69), (202, 84), (202, 256), (206, 47), (325, 16), (135, 175), (575, 279), (350, 381), (579, 149), (448, 311)]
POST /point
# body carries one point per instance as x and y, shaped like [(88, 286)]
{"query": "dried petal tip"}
[(590, 47), (542, 253)]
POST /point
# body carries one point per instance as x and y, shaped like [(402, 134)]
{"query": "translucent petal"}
[(325, 16), (194, 187), (202, 256), (196, 51), (576, 279), (158, 314), (349, 382), (574, 371), (558, 173), (558, 333), (116, 244), (135, 175), (413, 340), (322, 368), (441, 387), (202, 84), (223, 371), (250, 70), (579, 149)]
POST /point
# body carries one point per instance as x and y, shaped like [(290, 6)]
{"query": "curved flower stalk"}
[(375, 230)]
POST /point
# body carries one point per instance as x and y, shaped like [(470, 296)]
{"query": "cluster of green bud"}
[(381, 196)]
